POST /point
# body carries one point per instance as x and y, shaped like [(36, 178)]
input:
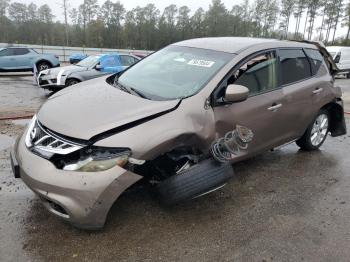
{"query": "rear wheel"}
[(72, 81), (316, 133), (43, 66)]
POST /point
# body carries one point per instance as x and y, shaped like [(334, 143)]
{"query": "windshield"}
[(174, 72), (89, 61)]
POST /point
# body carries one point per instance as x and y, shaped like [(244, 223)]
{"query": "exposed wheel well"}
[(43, 60), (166, 164), (336, 113)]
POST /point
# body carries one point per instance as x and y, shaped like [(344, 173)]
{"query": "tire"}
[(315, 134), (347, 75), (72, 81), (200, 179), (43, 65)]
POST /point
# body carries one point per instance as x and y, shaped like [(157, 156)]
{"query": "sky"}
[(161, 4)]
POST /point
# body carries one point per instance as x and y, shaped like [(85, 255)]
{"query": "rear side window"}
[(20, 51), (294, 66), (316, 59), (126, 60)]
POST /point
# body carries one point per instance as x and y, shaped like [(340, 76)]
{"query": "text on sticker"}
[(198, 62)]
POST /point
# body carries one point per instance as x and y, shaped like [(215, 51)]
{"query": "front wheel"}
[(71, 82), (195, 181), (316, 133)]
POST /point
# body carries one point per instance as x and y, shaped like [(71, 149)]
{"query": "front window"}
[(89, 61), (258, 74), (109, 61), (174, 72), (6, 52)]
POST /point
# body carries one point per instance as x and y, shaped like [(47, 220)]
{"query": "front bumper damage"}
[(81, 198), (50, 82)]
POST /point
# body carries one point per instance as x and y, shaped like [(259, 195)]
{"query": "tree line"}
[(110, 25)]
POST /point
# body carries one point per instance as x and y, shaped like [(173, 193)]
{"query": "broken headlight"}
[(98, 159)]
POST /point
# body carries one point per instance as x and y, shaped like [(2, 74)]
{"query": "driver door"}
[(262, 112)]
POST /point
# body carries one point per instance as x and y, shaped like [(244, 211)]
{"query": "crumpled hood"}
[(93, 107), (66, 70)]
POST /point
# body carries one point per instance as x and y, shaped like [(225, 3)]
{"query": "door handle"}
[(274, 107), (317, 90)]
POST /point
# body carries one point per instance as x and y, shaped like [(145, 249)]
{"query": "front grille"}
[(41, 139)]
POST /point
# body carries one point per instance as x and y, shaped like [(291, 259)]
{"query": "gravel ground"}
[(284, 205)]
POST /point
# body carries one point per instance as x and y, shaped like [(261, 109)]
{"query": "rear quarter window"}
[(294, 66), (316, 60)]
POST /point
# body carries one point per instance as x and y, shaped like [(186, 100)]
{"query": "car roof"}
[(238, 44), (17, 47)]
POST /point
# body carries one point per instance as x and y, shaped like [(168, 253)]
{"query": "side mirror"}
[(236, 93), (98, 67)]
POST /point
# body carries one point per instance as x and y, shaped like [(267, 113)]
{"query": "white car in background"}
[(341, 56)]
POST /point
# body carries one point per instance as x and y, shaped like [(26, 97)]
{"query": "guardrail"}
[(65, 51)]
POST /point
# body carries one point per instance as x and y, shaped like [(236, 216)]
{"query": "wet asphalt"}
[(284, 205)]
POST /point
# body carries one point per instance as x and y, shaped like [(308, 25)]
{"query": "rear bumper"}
[(81, 198)]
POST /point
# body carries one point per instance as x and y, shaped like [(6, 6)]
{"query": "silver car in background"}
[(91, 67)]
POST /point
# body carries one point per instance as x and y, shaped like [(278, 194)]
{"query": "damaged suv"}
[(176, 120)]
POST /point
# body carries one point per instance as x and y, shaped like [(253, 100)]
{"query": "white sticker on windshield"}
[(180, 59), (198, 62)]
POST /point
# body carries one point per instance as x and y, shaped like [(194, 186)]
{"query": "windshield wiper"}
[(121, 87), (129, 89), (139, 93)]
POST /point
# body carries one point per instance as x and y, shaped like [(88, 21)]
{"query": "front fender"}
[(74, 75)]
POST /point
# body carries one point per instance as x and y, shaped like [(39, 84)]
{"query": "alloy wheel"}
[(319, 130)]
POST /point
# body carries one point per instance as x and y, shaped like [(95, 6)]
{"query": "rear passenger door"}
[(298, 90)]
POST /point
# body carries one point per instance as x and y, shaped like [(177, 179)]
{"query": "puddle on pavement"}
[(6, 142), (21, 122)]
